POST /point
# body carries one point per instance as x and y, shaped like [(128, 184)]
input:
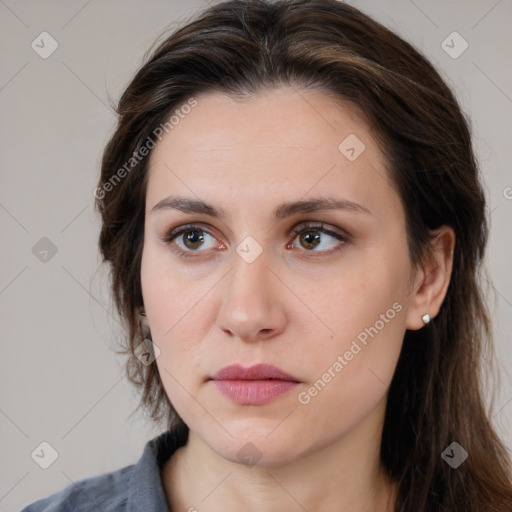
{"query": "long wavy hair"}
[(239, 47)]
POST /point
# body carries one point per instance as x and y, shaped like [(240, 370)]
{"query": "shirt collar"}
[(146, 491)]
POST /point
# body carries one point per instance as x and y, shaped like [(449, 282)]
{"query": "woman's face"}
[(322, 294)]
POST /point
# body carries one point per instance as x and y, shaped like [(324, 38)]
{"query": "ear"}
[(432, 279)]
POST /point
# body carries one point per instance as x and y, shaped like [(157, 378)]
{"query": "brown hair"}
[(238, 47)]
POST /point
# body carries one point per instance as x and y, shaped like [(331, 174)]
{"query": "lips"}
[(256, 385), (257, 372)]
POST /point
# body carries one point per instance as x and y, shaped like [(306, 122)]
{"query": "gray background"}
[(60, 380)]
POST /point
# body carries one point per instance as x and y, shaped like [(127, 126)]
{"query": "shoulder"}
[(107, 492), (129, 489)]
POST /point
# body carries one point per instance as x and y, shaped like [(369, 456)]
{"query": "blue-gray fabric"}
[(134, 488)]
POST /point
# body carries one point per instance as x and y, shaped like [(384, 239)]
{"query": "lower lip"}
[(254, 392)]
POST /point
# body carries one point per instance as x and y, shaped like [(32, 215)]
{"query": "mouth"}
[(256, 385)]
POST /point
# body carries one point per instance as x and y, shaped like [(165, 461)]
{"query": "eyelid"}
[(175, 232), (320, 226)]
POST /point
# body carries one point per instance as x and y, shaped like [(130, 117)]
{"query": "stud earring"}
[(426, 318), (142, 312)]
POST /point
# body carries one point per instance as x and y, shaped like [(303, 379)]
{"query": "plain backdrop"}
[(61, 382)]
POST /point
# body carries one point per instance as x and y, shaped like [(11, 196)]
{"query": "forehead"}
[(281, 141)]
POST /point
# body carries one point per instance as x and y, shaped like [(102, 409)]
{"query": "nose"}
[(252, 306)]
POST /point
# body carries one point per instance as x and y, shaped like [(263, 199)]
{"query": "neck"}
[(345, 476)]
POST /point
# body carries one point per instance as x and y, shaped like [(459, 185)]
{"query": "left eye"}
[(310, 236)]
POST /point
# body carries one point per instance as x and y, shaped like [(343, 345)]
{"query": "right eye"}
[(192, 238)]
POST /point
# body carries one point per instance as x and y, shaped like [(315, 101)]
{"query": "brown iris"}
[(312, 240), (194, 237)]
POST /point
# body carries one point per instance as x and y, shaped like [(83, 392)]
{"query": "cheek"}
[(168, 296), (359, 295), (177, 318), (365, 311), (353, 371)]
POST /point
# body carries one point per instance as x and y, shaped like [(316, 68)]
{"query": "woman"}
[(295, 225)]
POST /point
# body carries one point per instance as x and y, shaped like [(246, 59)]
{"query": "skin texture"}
[(295, 306)]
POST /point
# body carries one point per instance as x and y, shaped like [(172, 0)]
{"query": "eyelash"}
[(308, 226)]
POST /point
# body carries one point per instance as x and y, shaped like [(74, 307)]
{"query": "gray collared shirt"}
[(134, 488)]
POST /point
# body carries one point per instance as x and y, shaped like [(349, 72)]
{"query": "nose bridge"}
[(250, 277), (251, 255)]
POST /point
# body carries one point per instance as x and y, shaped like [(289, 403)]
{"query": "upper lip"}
[(256, 372)]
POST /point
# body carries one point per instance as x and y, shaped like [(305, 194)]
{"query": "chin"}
[(255, 447)]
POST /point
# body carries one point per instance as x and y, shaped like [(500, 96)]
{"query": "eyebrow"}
[(189, 205)]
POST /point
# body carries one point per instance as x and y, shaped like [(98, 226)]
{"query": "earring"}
[(426, 318), (142, 312)]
